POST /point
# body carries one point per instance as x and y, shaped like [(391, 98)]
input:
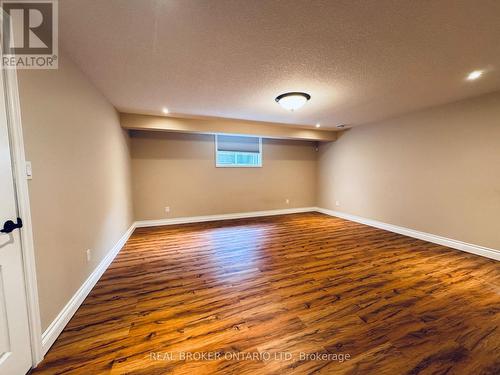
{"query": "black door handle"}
[(9, 225)]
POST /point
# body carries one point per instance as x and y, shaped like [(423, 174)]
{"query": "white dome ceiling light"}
[(292, 101)]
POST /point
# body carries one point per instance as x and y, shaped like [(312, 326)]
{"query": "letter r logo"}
[(28, 27)]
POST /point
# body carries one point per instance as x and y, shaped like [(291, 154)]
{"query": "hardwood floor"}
[(292, 284)]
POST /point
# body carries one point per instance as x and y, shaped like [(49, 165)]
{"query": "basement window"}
[(238, 151)]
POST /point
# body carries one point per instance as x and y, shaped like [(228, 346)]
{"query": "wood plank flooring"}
[(291, 285)]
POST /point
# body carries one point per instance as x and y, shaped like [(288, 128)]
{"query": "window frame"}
[(217, 165)]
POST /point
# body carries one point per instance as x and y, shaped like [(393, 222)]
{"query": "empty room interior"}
[(250, 187)]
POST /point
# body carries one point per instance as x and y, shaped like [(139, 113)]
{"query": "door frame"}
[(18, 158)]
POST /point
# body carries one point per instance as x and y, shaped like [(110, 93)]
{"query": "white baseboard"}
[(56, 327), (459, 245), (238, 215)]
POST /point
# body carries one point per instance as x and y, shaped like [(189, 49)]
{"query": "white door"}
[(15, 351)]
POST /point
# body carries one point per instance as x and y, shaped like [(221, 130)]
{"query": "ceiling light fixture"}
[(292, 100), (341, 126), (318, 125), (474, 75), (165, 110)]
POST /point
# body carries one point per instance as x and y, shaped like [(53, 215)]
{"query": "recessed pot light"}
[(474, 75), (318, 125), (292, 100), (165, 110)]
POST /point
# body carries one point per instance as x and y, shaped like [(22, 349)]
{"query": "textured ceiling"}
[(361, 61)]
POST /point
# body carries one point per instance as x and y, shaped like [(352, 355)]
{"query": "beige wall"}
[(178, 170), (80, 192), (212, 125), (436, 171)]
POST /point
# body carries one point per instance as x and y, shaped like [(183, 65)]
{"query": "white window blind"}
[(238, 151)]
